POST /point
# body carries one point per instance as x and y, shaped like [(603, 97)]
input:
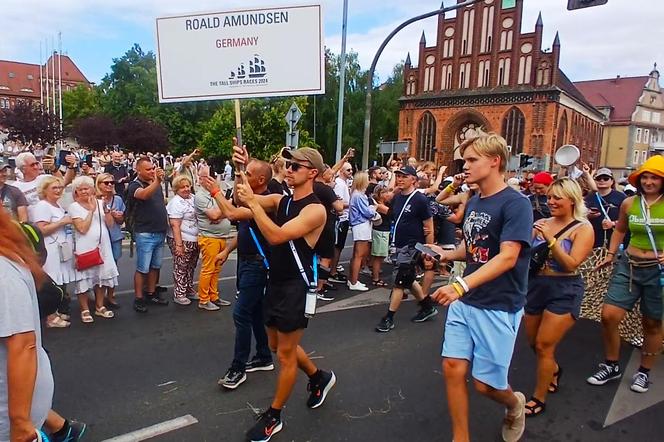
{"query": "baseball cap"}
[(305, 154), (603, 171), (4, 166), (629, 188), (543, 178), (407, 170)]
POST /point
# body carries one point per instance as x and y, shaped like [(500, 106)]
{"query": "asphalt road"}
[(135, 371)]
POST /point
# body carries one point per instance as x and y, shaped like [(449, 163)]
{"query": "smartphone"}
[(12, 163), (61, 157), (88, 159), (426, 250), (160, 160)]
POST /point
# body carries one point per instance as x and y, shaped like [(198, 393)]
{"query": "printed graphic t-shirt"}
[(505, 216)]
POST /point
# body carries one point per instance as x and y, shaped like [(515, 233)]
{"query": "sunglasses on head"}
[(296, 166)]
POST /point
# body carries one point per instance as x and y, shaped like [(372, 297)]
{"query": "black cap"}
[(407, 170)]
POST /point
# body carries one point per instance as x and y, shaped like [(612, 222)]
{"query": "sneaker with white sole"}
[(358, 286), (365, 271), (182, 301), (209, 306), (640, 382), (323, 296), (318, 391), (339, 278), (340, 268), (221, 302), (56, 321), (515, 425), (605, 374)]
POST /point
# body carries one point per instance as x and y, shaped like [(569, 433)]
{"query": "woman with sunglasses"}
[(113, 203)]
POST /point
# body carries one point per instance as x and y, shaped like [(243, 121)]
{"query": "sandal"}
[(554, 385), (535, 410), (86, 317), (379, 283), (104, 312)]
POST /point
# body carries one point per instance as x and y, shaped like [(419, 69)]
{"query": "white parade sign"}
[(269, 52)]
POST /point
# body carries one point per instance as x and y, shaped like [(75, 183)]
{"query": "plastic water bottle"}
[(310, 303)]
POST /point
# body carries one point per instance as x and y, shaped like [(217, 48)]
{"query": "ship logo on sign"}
[(256, 69)]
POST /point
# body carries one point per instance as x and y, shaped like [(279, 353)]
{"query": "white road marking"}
[(155, 430)]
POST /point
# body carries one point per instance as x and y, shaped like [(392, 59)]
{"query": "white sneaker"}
[(209, 306), (365, 271), (340, 268), (182, 301), (515, 425), (358, 286)]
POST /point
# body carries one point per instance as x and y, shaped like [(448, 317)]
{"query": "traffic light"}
[(525, 161), (580, 4)]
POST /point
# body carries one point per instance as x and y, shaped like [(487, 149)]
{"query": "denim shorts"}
[(116, 246), (149, 250), (558, 294), (484, 337), (641, 283)]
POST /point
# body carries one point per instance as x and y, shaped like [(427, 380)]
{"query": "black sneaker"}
[(232, 379), (339, 278), (385, 325), (75, 433), (640, 382), (139, 305), (605, 374), (259, 365), (323, 296), (424, 314), (155, 298), (266, 427), (318, 392), (328, 286)]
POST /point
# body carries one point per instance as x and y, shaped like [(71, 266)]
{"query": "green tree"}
[(78, 103)]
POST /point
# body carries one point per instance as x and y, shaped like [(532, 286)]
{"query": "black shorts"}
[(558, 294), (325, 245), (342, 234), (283, 305)]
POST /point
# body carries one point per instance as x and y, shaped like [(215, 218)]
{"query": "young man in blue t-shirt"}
[(482, 326)]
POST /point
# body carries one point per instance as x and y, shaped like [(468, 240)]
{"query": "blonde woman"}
[(113, 203), (55, 224), (360, 215), (553, 303), (182, 239), (91, 220)]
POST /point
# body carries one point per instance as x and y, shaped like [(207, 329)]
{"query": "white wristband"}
[(462, 283)]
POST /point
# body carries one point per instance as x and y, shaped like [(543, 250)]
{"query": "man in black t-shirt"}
[(413, 224), (293, 234), (325, 247), (253, 254), (149, 225)]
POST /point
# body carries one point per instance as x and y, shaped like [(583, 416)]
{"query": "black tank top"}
[(282, 263)]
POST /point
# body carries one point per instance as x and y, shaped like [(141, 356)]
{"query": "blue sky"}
[(624, 37)]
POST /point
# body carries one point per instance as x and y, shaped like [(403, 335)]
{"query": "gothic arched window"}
[(514, 128), (426, 136)]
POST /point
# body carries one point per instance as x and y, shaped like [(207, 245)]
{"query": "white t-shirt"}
[(343, 192), (183, 209), (228, 173), (19, 313), (29, 189)]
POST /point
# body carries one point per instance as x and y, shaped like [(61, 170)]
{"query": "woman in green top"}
[(637, 274)]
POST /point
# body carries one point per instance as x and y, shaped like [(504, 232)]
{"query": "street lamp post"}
[(370, 74)]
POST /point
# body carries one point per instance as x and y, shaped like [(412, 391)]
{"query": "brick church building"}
[(484, 72)]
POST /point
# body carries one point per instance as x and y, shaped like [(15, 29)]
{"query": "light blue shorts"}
[(149, 251), (484, 337)]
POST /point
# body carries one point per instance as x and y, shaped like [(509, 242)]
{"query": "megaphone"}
[(567, 155)]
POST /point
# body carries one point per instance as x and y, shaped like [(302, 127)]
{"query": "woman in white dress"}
[(88, 214), (54, 222)]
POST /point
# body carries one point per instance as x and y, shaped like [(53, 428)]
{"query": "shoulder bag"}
[(87, 260), (540, 253)]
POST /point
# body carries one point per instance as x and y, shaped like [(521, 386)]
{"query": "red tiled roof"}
[(620, 94), (571, 88), (14, 75), (17, 79)]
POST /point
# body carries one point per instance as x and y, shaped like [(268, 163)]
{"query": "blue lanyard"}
[(260, 249), (601, 206), (314, 281)]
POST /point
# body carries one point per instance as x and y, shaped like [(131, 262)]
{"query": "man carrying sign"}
[(299, 221)]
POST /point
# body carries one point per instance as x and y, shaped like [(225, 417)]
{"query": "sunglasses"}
[(296, 166), (108, 182), (603, 178)]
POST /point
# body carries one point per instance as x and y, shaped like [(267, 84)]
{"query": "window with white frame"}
[(637, 137), (644, 156), (645, 116), (656, 117), (635, 160), (646, 136)]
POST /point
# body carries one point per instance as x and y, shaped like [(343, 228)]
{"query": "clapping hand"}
[(544, 230)]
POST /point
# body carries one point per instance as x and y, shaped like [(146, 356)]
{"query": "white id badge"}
[(65, 252)]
